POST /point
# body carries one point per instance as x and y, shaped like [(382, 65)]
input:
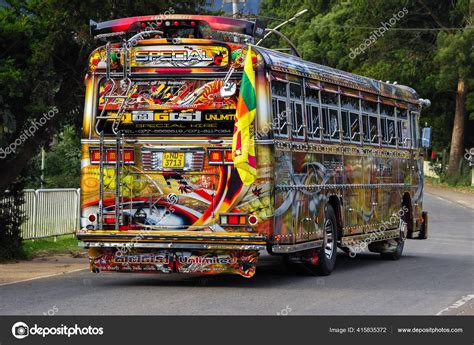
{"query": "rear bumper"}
[(172, 239), (173, 252)]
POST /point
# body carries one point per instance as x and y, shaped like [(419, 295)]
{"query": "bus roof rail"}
[(133, 25)]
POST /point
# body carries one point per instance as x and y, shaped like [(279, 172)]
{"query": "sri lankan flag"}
[(243, 142)]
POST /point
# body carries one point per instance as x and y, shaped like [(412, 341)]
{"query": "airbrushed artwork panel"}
[(299, 203), (167, 261), (176, 200)]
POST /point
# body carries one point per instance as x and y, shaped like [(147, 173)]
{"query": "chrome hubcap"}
[(328, 240), (403, 230)]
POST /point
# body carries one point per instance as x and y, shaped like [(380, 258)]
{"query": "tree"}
[(44, 48), (62, 162), (420, 49), (454, 58), (11, 218)]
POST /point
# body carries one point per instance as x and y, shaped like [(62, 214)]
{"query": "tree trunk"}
[(457, 139)]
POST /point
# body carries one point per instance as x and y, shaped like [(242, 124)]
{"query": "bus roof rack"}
[(133, 25)]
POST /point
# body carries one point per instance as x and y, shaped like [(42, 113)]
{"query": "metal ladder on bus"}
[(126, 87)]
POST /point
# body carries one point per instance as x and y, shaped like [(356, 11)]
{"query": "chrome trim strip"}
[(170, 245), (348, 241), (173, 141), (341, 186), (173, 148), (292, 248), (141, 236)]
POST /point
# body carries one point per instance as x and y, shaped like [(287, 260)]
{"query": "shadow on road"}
[(271, 272)]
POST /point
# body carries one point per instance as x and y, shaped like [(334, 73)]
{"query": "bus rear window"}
[(175, 107)]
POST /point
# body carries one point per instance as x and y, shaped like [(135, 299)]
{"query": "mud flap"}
[(424, 226), (422, 233)]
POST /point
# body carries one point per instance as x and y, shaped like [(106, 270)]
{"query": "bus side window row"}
[(322, 114)]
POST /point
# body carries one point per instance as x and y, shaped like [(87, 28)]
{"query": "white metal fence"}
[(51, 212)]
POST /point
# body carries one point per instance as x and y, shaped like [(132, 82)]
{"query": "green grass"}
[(47, 246), (430, 181)]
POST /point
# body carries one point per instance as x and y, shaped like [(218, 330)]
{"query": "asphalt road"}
[(433, 275)]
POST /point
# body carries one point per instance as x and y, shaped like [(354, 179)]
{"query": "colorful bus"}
[(338, 156)]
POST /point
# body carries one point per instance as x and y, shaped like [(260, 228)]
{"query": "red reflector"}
[(228, 156), (109, 219), (193, 23), (233, 220), (95, 156), (176, 23), (92, 217), (215, 157), (111, 156), (128, 156)]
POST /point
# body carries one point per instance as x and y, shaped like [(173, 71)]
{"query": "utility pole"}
[(235, 8), (42, 167)]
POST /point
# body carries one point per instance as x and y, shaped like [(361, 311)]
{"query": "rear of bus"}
[(159, 190)]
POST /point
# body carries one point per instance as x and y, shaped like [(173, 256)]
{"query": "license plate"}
[(173, 159)]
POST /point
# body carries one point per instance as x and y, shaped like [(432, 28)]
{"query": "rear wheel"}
[(328, 252), (391, 249)]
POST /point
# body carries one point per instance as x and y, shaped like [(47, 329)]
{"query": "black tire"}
[(328, 252), (423, 235), (391, 249), (396, 254)]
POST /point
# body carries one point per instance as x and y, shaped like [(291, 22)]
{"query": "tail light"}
[(220, 157), (233, 219), (215, 157), (110, 156), (108, 219), (253, 220)]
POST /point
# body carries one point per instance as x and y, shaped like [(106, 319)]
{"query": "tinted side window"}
[(297, 119), (350, 126), (388, 131), (314, 122), (330, 124), (280, 123), (329, 98), (370, 107), (312, 95), (296, 91), (278, 88), (402, 113), (387, 110), (414, 134), (370, 129), (403, 133), (279, 107), (346, 127), (355, 130), (350, 103)]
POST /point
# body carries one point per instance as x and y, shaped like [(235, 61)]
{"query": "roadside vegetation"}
[(436, 182), (66, 244)]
